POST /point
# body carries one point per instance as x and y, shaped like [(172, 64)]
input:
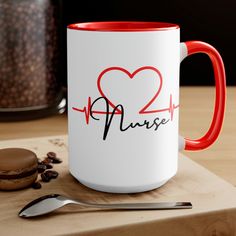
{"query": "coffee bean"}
[(54, 158), (41, 168), (47, 161), (51, 155), (45, 177), (36, 185), (49, 166), (52, 174), (56, 161)]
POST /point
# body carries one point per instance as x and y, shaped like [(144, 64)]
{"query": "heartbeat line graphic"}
[(170, 109), (87, 110)]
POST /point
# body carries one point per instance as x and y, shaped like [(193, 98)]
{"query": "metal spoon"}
[(52, 202)]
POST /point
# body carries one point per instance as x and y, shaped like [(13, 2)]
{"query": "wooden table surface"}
[(196, 107), (213, 200)]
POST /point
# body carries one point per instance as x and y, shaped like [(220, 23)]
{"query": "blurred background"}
[(33, 64), (209, 21)]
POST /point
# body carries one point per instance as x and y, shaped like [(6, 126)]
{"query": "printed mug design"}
[(119, 109)]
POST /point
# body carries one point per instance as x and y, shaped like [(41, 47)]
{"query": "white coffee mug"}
[(123, 103)]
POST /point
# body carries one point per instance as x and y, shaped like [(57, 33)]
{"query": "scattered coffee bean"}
[(44, 165), (49, 166), (45, 177), (51, 155), (47, 161), (36, 185), (41, 168), (54, 158), (51, 174), (57, 161)]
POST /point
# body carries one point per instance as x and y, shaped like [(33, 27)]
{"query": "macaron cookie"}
[(18, 168)]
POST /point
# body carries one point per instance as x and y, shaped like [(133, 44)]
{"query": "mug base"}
[(112, 189)]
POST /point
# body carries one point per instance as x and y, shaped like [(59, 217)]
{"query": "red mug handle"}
[(192, 47)]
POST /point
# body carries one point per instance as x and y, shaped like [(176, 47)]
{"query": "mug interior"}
[(123, 26)]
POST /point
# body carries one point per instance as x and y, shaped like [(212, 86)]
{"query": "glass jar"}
[(30, 59)]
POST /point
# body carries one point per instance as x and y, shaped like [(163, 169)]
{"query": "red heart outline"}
[(131, 76)]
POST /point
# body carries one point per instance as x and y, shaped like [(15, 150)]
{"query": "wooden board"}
[(213, 199)]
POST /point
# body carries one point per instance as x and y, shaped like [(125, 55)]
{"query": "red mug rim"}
[(123, 26)]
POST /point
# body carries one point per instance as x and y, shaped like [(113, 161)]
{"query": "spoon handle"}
[(141, 206), (131, 206)]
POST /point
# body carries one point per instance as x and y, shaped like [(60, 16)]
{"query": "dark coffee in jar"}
[(30, 61)]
